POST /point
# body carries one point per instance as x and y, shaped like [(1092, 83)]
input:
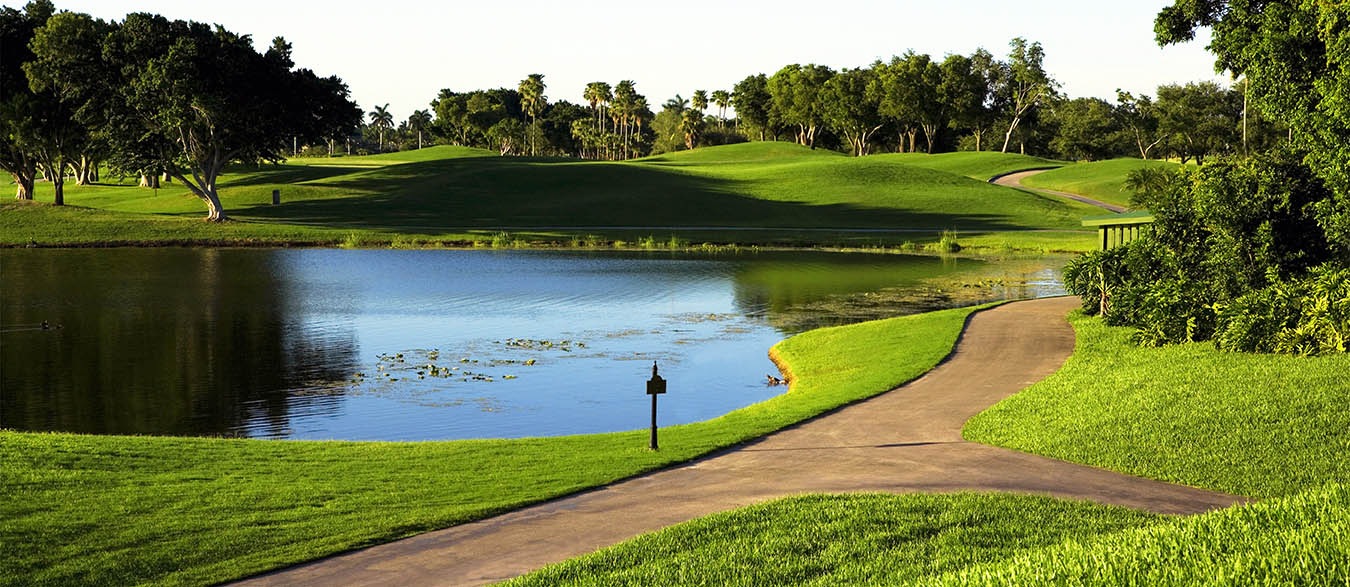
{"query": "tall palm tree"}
[(691, 124), (533, 101), (419, 121), (624, 96), (700, 100), (722, 99), (382, 120), (640, 112)]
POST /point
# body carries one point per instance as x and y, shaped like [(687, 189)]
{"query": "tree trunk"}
[(979, 135), (59, 189), (1007, 139), (149, 180), (25, 184)]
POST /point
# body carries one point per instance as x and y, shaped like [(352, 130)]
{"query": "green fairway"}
[(980, 165), (865, 539), (453, 193), (131, 510), (1099, 180)]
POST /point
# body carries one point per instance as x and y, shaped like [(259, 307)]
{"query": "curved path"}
[(906, 440), (1014, 180)]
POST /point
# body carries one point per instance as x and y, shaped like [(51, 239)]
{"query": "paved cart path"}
[(906, 440), (1014, 180)]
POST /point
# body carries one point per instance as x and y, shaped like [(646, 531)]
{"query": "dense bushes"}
[(1243, 252)]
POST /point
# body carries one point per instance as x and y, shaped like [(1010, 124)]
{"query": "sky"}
[(403, 52)]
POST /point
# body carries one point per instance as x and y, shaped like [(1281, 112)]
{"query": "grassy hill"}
[(981, 165), (1099, 180), (458, 194)]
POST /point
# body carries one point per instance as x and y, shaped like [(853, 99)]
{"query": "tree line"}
[(152, 97), (911, 103)]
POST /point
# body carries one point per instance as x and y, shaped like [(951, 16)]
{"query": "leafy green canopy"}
[(185, 98)]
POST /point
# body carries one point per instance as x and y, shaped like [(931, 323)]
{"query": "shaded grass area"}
[(861, 539), (777, 188), (130, 510), (1255, 425), (1099, 180), (1250, 424)]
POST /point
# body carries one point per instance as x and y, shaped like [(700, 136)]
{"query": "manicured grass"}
[(130, 510), (432, 153), (980, 165), (1303, 539), (865, 539), (1255, 425), (775, 187), (1099, 180)]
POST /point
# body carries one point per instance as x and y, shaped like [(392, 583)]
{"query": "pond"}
[(430, 345)]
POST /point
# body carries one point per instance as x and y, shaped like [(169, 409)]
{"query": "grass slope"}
[(132, 510), (1298, 540), (457, 192), (980, 165), (862, 539), (1256, 425), (1099, 180)]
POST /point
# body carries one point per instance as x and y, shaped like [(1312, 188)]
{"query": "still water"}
[(423, 345)]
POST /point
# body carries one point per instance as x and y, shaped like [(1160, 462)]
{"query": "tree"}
[(1199, 119), (691, 125), (506, 134), (908, 87), (722, 99), (851, 99), (1139, 119), (19, 105), (700, 101), (419, 121), (1027, 85), (679, 104), (184, 98), (625, 101), (598, 94), (966, 91), (795, 92), (533, 101), (753, 103), (1087, 129), (382, 120), (1296, 60)]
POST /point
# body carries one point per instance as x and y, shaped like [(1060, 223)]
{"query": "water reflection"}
[(166, 341), (413, 345)]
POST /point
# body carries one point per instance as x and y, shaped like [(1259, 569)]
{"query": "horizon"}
[(390, 66)]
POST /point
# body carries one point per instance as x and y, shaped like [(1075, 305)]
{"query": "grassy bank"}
[(753, 193), (1258, 425), (866, 539), (1099, 180), (131, 510)]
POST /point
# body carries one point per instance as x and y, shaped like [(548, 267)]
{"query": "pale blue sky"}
[(402, 52)]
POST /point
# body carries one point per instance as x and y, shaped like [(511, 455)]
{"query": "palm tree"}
[(381, 119), (533, 101), (624, 97), (691, 124), (722, 99), (700, 101), (678, 104), (419, 121), (640, 112)]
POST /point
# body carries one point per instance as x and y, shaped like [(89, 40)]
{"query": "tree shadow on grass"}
[(439, 196)]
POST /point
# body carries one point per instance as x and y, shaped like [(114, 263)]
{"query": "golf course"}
[(546, 294)]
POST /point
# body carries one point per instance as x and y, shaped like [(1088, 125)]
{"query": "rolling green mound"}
[(451, 193), (1099, 180), (981, 165)]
